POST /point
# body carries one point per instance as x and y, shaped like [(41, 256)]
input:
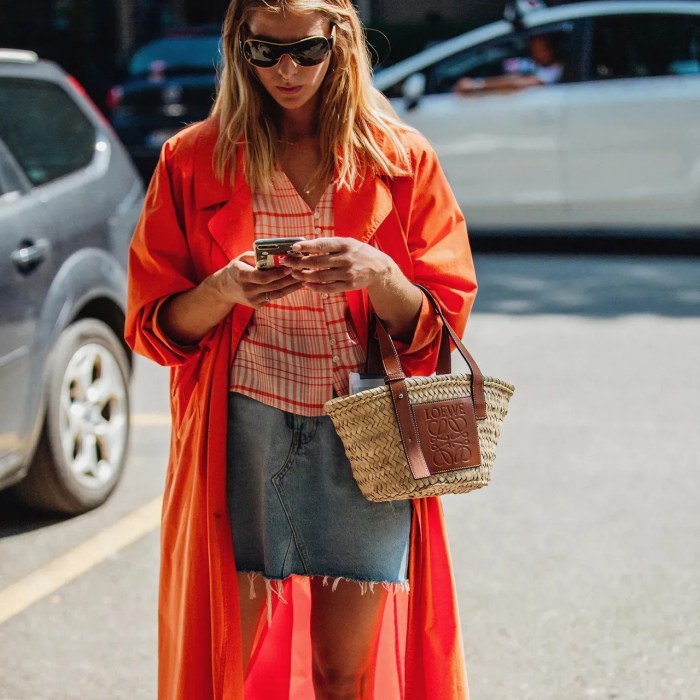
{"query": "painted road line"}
[(42, 582), (150, 420)]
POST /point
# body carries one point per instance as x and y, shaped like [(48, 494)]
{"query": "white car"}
[(612, 143)]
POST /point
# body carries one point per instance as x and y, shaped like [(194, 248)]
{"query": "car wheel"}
[(82, 449)]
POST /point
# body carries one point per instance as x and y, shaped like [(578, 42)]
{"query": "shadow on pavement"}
[(527, 277), (16, 519)]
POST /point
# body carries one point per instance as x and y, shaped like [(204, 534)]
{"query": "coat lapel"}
[(231, 225), (359, 212)]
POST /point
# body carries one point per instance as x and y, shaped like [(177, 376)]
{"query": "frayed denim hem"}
[(276, 586)]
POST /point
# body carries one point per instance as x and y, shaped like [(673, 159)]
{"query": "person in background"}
[(278, 578), (544, 67)]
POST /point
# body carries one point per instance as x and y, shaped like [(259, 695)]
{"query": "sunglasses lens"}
[(260, 53), (311, 52), (307, 52)]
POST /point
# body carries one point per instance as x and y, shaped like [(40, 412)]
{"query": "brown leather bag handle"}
[(478, 398), (396, 381)]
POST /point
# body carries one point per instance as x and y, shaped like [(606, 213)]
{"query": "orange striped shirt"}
[(298, 349)]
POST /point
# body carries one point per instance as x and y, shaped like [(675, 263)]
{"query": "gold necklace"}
[(287, 142), (306, 189)]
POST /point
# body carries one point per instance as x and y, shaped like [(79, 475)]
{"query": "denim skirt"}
[(295, 507)]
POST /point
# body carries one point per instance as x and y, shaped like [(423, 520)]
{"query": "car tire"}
[(83, 446)]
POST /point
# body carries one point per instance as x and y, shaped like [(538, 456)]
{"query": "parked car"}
[(612, 144), (69, 200), (171, 82)]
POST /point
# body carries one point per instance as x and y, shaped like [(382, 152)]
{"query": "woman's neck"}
[(300, 124)]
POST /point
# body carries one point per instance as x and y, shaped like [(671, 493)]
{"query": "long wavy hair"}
[(357, 125)]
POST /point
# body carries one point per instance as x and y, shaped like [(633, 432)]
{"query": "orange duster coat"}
[(192, 225)]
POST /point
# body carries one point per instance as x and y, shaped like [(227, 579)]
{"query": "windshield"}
[(178, 54)]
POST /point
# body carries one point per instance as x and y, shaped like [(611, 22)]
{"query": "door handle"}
[(30, 254)]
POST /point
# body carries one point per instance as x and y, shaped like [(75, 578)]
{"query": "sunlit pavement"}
[(577, 568)]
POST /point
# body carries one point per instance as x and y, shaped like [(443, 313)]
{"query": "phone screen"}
[(269, 252)]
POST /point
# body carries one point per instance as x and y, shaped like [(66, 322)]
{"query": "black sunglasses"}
[(306, 52)]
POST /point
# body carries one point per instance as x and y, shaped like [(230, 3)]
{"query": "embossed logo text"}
[(448, 434)]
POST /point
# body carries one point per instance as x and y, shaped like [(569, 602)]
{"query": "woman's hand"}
[(339, 265), (188, 316), (240, 282), (335, 265)]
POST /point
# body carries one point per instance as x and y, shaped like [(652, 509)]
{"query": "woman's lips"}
[(289, 90)]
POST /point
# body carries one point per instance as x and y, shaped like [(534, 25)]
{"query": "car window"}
[(44, 129), (481, 61), (10, 181), (508, 54), (640, 46), (4, 185), (191, 54)]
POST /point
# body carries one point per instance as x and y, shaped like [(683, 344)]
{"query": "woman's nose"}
[(286, 67)]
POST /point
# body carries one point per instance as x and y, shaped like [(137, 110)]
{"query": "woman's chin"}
[(293, 101)]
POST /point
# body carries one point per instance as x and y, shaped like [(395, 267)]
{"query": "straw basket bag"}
[(422, 436)]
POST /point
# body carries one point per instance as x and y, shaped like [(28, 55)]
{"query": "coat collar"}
[(357, 212)]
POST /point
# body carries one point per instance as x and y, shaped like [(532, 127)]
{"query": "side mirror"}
[(413, 89)]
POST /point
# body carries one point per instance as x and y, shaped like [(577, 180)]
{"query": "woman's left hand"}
[(339, 265)]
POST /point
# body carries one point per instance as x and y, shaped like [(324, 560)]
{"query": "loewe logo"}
[(449, 437), (449, 411)]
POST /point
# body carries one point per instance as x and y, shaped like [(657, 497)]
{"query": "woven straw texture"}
[(366, 424)]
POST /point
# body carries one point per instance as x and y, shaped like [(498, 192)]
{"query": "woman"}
[(277, 578)]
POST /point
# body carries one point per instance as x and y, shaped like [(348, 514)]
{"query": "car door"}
[(52, 146), (23, 287), (633, 128), (502, 152)]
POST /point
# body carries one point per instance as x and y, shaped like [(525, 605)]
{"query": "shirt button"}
[(324, 296), (332, 341), (317, 215), (336, 359), (318, 230)]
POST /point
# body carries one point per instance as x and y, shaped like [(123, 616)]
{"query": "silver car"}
[(69, 200), (608, 140)]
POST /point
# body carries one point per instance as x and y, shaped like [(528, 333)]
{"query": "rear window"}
[(45, 131), (180, 54), (642, 46)]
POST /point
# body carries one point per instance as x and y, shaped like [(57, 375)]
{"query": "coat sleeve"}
[(439, 248), (160, 264)]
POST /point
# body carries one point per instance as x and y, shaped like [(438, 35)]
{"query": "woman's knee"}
[(335, 681)]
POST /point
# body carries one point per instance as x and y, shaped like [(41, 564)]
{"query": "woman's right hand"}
[(186, 317), (240, 282)]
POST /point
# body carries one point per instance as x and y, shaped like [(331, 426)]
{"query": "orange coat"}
[(192, 225)]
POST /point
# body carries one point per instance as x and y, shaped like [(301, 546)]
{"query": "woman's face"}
[(290, 85)]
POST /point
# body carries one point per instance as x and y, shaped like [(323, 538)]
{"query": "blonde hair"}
[(357, 123)]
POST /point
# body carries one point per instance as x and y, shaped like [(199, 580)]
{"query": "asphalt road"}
[(578, 568)]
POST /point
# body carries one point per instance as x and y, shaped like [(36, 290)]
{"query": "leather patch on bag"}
[(448, 434)]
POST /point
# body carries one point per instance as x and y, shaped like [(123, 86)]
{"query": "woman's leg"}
[(344, 629), (251, 611)]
